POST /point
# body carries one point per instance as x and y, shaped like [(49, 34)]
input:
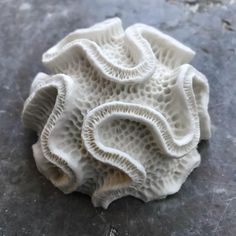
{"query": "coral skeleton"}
[(121, 114)]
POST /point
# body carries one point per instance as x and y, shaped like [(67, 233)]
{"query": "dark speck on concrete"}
[(30, 205)]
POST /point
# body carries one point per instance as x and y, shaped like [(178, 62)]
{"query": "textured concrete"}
[(30, 205)]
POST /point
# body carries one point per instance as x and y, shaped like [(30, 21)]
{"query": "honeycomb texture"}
[(122, 114)]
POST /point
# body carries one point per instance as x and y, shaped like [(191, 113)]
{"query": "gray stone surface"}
[(30, 205)]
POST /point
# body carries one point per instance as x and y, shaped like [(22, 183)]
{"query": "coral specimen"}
[(122, 114)]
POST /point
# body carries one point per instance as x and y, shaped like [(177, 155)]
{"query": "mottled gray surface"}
[(30, 205)]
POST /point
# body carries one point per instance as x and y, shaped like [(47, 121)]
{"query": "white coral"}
[(122, 116)]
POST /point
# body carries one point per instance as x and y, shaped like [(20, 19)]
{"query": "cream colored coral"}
[(122, 114)]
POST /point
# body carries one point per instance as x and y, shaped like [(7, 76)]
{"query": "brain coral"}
[(122, 113)]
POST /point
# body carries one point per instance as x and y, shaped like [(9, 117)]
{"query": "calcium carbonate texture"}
[(122, 114)]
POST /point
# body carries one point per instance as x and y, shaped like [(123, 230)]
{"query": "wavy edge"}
[(182, 53), (81, 41), (60, 83), (104, 199), (115, 157), (143, 70), (140, 112)]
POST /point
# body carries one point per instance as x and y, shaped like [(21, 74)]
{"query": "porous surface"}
[(31, 205), (122, 114)]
